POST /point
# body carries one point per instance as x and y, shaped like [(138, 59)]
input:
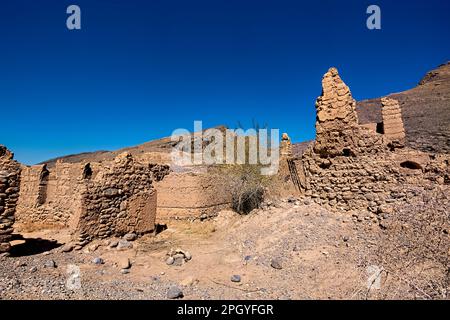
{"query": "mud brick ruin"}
[(92, 200), (9, 193), (350, 166), (362, 167)]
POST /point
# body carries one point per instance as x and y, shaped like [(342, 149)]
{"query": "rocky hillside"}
[(425, 111)]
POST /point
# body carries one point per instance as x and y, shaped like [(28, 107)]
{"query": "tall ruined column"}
[(392, 120), (336, 116), (285, 146), (9, 193)]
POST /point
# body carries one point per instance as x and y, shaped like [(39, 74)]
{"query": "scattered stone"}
[(178, 256), (98, 260), (33, 269), (235, 278), (67, 247), (170, 261), (94, 247), (130, 236), (125, 271), (113, 244), (50, 264), (124, 245), (124, 263), (174, 292), (189, 281), (276, 264), (346, 238), (187, 255)]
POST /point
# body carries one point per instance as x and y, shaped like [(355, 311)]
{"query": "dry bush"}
[(415, 247), (247, 186)]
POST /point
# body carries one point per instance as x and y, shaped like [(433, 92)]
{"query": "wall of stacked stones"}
[(9, 193), (370, 182), (120, 198)]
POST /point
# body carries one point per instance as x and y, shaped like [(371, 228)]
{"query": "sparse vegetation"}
[(414, 250)]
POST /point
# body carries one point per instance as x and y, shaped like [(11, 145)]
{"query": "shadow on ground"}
[(32, 246)]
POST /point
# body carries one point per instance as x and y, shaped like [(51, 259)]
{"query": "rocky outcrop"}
[(9, 193), (425, 112)]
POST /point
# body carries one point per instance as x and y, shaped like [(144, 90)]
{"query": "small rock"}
[(276, 264), (178, 261), (189, 281), (174, 292), (187, 255), (170, 261), (50, 264), (130, 236), (113, 243), (98, 261), (235, 278), (93, 247), (124, 263), (67, 247), (124, 245), (33, 269), (125, 271), (178, 256), (346, 238)]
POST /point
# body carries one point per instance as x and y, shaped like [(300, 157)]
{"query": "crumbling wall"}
[(9, 193), (49, 197), (183, 195), (353, 167), (393, 128), (120, 198)]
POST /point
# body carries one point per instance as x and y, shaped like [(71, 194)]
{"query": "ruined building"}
[(92, 200), (9, 193), (362, 167)]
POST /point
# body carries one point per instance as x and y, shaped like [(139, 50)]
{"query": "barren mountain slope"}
[(425, 111)]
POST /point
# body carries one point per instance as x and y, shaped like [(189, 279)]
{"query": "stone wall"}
[(354, 167), (120, 198), (9, 193)]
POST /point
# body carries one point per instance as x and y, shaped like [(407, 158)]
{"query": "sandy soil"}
[(321, 254)]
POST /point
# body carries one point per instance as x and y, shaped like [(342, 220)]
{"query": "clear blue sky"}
[(139, 69)]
